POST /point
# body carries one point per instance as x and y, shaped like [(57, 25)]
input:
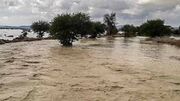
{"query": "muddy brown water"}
[(93, 70)]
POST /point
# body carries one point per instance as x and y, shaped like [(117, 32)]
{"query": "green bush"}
[(129, 30), (40, 28), (68, 27), (155, 28), (97, 29), (176, 31)]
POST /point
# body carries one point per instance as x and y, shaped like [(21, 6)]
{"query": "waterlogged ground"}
[(93, 70)]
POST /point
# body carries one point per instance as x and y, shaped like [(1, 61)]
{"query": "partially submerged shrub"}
[(40, 28), (129, 30), (155, 28), (69, 27), (97, 29)]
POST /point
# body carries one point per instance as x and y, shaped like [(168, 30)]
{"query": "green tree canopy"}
[(40, 28), (155, 28), (81, 24), (68, 27), (129, 30), (110, 21), (97, 28), (62, 28), (176, 31)]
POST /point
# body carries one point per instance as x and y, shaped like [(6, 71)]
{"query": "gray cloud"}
[(24, 12)]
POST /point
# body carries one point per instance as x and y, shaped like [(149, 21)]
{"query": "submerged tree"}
[(155, 28), (21, 37), (63, 29), (97, 29), (110, 21), (24, 33), (40, 28), (81, 24), (177, 31), (129, 30), (68, 27)]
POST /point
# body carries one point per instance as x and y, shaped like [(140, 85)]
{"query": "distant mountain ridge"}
[(15, 27)]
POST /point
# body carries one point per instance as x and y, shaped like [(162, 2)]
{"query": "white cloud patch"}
[(24, 12)]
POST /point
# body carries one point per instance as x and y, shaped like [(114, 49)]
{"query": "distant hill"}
[(16, 27)]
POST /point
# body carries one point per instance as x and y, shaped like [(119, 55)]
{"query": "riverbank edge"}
[(3, 41), (165, 40)]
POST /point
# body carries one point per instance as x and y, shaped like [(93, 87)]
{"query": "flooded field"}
[(9, 34), (93, 70)]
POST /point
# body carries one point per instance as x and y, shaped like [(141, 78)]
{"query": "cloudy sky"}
[(24, 12)]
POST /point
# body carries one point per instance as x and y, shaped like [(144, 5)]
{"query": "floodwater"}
[(10, 34), (105, 69)]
